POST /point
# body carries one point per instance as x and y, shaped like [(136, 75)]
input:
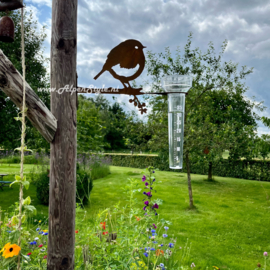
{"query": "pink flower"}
[(265, 254)]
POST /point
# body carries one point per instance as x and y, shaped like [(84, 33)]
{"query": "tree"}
[(262, 146), (209, 75), (89, 127), (227, 121), (36, 76)]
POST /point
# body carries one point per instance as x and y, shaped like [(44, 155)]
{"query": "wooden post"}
[(63, 148), (11, 83)]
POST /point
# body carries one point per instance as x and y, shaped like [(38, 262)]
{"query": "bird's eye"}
[(136, 47)]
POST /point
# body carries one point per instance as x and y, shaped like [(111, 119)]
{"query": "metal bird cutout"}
[(127, 54)]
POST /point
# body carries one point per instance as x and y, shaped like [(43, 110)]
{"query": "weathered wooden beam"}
[(11, 83), (62, 203), (10, 5)]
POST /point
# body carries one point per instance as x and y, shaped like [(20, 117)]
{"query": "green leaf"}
[(15, 182), (27, 201), (18, 178), (30, 208), (26, 184)]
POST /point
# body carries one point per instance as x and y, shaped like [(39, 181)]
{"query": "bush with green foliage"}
[(245, 169), (97, 164), (84, 186)]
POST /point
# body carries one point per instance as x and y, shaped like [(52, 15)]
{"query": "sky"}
[(103, 24)]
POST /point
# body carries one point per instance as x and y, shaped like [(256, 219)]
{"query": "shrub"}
[(42, 184), (84, 185), (98, 165), (99, 170)]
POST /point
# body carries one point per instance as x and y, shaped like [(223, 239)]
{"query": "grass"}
[(229, 227)]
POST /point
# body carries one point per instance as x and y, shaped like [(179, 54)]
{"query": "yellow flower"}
[(45, 230), (40, 221), (10, 251)]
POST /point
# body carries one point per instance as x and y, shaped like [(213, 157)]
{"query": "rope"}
[(22, 136)]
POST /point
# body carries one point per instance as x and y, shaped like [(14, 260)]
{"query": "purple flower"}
[(154, 180), (155, 206), (156, 214), (166, 228), (144, 193), (143, 178), (265, 254), (146, 203), (154, 226), (144, 208), (170, 245), (146, 183), (145, 254), (153, 171), (164, 235), (149, 194)]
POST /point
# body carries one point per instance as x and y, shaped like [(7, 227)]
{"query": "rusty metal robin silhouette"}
[(127, 54)]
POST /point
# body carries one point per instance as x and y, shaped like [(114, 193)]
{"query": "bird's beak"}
[(144, 47)]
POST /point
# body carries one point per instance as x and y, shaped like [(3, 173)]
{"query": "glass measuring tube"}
[(176, 129), (177, 86)]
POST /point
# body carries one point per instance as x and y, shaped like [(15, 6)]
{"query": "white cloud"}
[(41, 2)]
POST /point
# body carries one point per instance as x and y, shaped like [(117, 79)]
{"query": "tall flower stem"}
[(22, 139)]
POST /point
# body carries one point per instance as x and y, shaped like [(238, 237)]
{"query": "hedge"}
[(245, 169)]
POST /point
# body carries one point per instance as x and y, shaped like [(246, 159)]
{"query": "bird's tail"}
[(99, 74)]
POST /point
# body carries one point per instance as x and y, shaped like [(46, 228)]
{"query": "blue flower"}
[(153, 231), (152, 249), (154, 242), (166, 228), (45, 233), (161, 265), (161, 245), (37, 229), (9, 231), (164, 235), (34, 242), (170, 245), (145, 254), (31, 243), (40, 233)]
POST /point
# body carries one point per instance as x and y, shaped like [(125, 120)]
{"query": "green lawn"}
[(229, 229)]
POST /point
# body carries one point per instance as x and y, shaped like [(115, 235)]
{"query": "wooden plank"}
[(7, 5), (11, 83), (64, 147)]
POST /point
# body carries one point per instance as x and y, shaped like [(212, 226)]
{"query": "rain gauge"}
[(177, 87)]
